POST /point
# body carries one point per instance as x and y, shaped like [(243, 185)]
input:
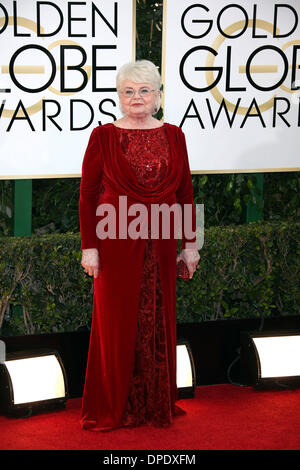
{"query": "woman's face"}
[(138, 100)]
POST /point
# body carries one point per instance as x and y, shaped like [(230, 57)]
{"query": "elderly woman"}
[(136, 160)]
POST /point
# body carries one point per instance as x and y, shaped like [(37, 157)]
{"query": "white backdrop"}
[(57, 80), (243, 114)]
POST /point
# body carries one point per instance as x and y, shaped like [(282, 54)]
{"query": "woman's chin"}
[(138, 112)]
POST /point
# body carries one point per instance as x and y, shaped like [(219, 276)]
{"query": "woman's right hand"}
[(90, 261)]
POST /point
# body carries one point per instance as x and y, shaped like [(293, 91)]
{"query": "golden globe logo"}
[(38, 76), (269, 61)]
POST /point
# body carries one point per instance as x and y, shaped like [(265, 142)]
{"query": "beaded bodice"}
[(147, 152)]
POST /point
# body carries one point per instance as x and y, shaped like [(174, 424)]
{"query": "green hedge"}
[(245, 271), (42, 275)]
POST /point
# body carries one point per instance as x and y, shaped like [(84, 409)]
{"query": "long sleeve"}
[(184, 196), (90, 183)]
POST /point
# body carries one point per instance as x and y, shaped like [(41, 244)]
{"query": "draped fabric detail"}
[(121, 176)]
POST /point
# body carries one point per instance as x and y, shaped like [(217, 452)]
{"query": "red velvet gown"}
[(131, 368)]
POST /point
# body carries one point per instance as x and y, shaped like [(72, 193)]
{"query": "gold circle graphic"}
[(210, 62), (37, 107)]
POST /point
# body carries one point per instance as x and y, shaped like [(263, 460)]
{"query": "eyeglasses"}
[(143, 92)]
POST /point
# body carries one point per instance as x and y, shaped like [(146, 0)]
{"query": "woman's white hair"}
[(141, 71)]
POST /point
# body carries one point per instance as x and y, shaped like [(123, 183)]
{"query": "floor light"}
[(270, 358), (185, 370), (32, 382)]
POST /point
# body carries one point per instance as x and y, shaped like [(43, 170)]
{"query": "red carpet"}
[(220, 417)]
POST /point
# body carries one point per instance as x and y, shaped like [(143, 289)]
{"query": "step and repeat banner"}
[(57, 80), (230, 71), (232, 83)]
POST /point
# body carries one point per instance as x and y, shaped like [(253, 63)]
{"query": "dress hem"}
[(90, 425)]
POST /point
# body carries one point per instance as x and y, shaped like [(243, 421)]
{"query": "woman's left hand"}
[(191, 258)]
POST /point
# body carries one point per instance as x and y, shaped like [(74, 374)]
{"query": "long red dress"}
[(131, 369)]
